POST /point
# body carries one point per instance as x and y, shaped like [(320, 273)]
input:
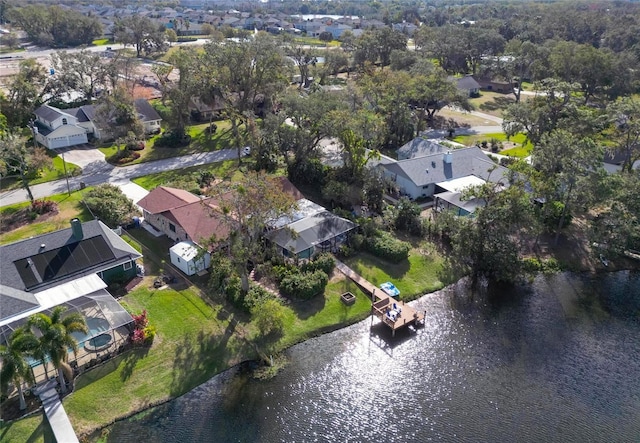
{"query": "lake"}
[(554, 361)]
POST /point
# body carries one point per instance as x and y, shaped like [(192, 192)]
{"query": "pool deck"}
[(381, 302), (56, 415)]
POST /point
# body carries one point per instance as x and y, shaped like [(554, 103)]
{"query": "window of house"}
[(178, 259), (64, 121), (172, 227), (126, 266)]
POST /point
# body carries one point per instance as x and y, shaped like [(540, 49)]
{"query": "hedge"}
[(386, 246), (304, 285)]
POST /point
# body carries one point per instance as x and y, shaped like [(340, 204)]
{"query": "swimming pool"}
[(96, 326)]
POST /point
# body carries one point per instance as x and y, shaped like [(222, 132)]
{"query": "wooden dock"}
[(393, 313)]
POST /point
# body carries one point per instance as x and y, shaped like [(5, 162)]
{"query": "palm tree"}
[(56, 337), (15, 367)]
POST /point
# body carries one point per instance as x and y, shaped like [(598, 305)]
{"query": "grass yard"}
[(225, 170), (521, 148), (413, 277), (69, 206), (305, 319), (464, 118), (493, 103), (56, 172), (34, 429), (200, 142), (194, 342)]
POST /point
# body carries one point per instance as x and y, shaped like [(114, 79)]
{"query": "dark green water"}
[(557, 361)]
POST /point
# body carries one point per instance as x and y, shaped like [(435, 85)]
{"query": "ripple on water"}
[(553, 362)]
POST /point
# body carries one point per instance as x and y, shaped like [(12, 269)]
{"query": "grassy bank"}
[(194, 342), (413, 277)]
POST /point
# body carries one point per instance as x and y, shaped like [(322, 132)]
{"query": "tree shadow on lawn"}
[(497, 103), (365, 261), (222, 139), (198, 357), (130, 361), (307, 308), (42, 432)]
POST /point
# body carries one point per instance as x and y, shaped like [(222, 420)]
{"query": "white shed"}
[(189, 258)]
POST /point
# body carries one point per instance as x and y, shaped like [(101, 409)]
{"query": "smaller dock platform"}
[(393, 313)]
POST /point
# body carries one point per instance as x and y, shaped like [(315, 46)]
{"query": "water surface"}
[(558, 361)]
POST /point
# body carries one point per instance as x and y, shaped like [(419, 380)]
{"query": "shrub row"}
[(386, 246), (304, 285), (44, 206)]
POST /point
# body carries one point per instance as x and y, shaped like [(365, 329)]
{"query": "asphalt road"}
[(116, 175)]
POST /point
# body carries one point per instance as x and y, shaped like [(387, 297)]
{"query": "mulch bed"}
[(21, 218), (10, 409)]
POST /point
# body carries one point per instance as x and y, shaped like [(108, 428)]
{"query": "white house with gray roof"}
[(56, 128), (61, 128), (441, 172)]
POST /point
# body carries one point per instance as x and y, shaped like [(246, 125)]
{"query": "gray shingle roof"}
[(13, 302), (467, 82), (432, 169), (146, 110), (83, 113), (47, 113), (419, 147), (84, 262)]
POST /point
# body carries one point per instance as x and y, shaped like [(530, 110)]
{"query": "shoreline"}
[(322, 331), (94, 433)]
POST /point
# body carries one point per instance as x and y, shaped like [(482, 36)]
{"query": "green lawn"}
[(34, 429), (69, 206), (194, 342), (413, 277), (522, 149), (492, 102), (200, 142), (305, 319), (56, 172), (225, 170)]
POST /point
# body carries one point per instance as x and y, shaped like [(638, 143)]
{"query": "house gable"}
[(164, 198)]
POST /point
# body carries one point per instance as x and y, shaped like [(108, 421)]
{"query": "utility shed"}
[(189, 258)]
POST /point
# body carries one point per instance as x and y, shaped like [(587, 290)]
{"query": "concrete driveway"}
[(89, 158), (133, 191)]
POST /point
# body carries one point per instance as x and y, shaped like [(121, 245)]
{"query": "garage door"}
[(77, 139), (57, 143)]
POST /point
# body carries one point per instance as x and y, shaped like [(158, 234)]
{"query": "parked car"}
[(246, 151)]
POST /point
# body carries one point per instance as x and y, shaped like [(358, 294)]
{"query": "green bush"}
[(268, 316), (322, 262), (110, 205), (233, 291), (533, 265), (304, 285), (387, 247), (172, 140), (356, 242), (256, 296)]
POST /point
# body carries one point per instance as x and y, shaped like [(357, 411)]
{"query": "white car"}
[(246, 151)]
